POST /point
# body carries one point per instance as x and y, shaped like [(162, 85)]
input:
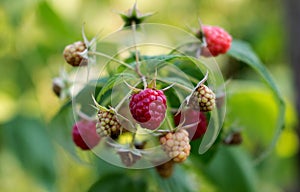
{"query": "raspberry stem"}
[(111, 58), (137, 66)]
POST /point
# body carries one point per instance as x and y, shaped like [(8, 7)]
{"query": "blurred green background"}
[(33, 34)]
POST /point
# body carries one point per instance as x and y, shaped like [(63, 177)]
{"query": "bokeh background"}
[(33, 34)]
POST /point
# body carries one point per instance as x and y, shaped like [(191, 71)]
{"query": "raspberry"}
[(84, 134), (176, 145), (191, 116), (203, 98), (234, 138), (148, 107), (72, 56), (165, 170), (108, 125), (217, 39), (57, 86)]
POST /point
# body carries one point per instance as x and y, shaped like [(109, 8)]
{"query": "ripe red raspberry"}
[(203, 99), (148, 107), (72, 56), (108, 124), (217, 39), (176, 145), (84, 134), (189, 117)]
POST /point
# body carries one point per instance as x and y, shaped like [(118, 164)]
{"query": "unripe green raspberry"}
[(108, 125), (203, 99), (176, 145)]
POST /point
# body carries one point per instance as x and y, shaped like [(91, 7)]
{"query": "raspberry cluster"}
[(148, 107), (72, 54), (203, 99), (84, 134), (108, 125), (176, 145)]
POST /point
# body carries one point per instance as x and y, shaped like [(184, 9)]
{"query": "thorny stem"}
[(137, 66)]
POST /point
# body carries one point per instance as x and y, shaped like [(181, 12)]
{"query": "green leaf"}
[(119, 182), (28, 139), (161, 57), (230, 170), (60, 129), (243, 52), (178, 82), (188, 67), (179, 181), (113, 81), (244, 98)]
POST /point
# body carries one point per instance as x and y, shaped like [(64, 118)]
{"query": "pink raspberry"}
[(84, 134), (148, 107), (217, 39), (189, 117)]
